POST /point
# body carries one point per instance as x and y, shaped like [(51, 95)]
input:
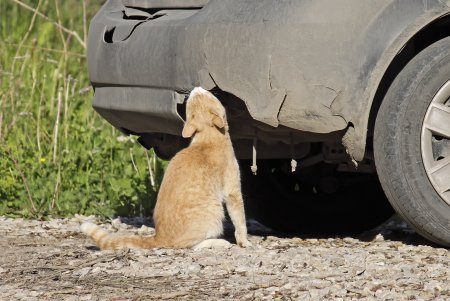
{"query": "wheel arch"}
[(410, 43)]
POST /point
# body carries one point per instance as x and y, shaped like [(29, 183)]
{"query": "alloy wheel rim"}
[(435, 142)]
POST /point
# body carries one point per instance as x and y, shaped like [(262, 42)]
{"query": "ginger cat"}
[(189, 209)]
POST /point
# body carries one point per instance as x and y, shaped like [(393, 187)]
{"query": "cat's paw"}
[(212, 244), (244, 243), (241, 239)]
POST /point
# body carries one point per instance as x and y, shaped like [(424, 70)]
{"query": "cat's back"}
[(197, 158), (193, 168)]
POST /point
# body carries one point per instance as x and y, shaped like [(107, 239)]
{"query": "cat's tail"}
[(109, 241)]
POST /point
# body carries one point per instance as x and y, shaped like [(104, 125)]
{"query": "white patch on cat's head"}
[(197, 91)]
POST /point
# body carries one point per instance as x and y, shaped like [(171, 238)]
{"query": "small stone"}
[(349, 240), (379, 237), (288, 286), (82, 272), (144, 230)]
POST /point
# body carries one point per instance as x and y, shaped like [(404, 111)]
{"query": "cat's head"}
[(204, 112)]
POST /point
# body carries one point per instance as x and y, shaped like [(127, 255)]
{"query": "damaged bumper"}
[(144, 55)]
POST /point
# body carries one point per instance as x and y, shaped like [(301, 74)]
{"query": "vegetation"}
[(57, 155)]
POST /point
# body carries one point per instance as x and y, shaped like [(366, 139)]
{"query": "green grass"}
[(57, 155)]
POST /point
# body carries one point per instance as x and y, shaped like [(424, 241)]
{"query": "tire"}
[(398, 138), (303, 203)]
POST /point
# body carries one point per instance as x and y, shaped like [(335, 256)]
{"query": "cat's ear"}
[(218, 119), (188, 130)]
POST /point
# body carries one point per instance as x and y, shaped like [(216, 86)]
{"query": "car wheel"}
[(317, 200), (412, 143)]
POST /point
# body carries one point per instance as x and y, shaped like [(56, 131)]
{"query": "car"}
[(325, 99)]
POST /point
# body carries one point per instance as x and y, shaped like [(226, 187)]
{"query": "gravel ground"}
[(51, 260)]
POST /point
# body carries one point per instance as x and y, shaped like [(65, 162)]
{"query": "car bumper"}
[(239, 47)]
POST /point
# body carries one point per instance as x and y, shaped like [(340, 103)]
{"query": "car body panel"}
[(311, 66)]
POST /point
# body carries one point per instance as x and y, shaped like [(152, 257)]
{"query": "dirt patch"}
[(52, 260)]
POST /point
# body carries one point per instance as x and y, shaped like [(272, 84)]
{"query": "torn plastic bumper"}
[(213, 44)]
